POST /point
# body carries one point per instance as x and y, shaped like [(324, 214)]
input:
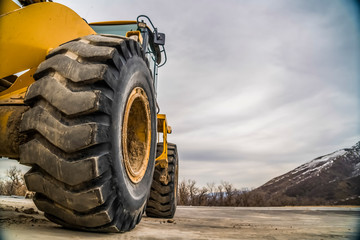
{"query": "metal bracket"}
[(163, 128)]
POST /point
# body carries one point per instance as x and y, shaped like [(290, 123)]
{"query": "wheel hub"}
[(136, 134)]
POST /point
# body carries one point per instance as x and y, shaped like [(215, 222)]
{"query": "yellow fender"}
[(28, 33)]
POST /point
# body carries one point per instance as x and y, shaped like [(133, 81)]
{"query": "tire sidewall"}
[(133, 74), (175, 179)]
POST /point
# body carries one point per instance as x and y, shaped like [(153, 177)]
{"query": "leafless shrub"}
[(224, 194), (211, 198), (183, 191), (14, 184), (202, 197)]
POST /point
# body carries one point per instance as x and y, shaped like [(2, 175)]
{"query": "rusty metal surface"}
[(10, 138), (136, 137)]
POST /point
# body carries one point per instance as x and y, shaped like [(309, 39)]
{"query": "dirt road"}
[(20, 219)]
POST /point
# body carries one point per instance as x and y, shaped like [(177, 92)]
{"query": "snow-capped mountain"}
[(330, 179)]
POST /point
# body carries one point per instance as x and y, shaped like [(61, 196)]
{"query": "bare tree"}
[(258, 199), (220, 196), (2, 187), (193, 190), (224, 194), (229, 193), (202, 196), (183, 193), (212, 193), (15, 185), (243, 197)]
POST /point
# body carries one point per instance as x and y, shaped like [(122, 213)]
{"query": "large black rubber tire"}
[(74, 134), (163, 197)]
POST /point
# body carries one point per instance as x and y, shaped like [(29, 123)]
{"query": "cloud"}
[(277, 84)]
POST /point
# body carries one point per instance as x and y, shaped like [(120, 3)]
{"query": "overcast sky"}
[(252, 89)]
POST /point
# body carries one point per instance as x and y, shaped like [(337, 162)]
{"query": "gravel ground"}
[(19, 219)]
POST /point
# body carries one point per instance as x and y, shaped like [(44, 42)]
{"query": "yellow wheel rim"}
[(136, 134)]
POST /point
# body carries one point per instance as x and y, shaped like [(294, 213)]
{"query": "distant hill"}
[(329, 179)]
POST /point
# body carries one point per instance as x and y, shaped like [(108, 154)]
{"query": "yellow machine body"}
[(163, 128), (28, 33)]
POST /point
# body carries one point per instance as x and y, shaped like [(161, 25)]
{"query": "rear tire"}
[(90, 93), (163, 197)]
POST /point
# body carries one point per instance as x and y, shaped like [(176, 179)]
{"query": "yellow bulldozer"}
[(78, 104)]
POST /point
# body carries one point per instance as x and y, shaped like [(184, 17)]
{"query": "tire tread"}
[(73, 188), (162, 201)]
